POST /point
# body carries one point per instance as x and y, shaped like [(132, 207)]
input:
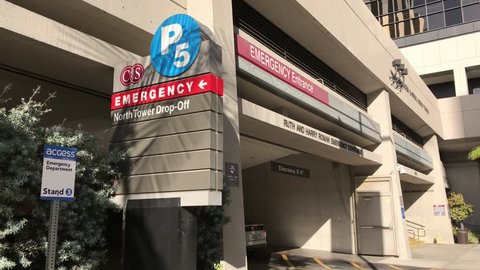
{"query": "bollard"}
[(462, 236)]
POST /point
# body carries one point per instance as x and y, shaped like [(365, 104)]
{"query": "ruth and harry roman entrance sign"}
[(166, 109)]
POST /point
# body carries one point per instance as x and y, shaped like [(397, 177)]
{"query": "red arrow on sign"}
[(180, 88)]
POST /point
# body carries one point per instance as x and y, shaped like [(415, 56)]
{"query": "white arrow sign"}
[(202, 84)]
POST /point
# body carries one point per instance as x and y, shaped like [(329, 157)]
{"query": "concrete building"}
[(445, 52), (319, 132)]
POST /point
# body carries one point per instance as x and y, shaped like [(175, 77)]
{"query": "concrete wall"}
[(456, 53), (380, 109), (217, 16), (460, 117), (302, 212), (421, 201)]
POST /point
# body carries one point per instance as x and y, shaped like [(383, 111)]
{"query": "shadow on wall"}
[(311, 212)]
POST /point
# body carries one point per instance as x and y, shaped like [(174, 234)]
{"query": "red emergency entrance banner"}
[(180, 88), (278, 69)]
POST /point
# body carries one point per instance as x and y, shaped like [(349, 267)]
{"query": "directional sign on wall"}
[(179, 88), (167, 109)]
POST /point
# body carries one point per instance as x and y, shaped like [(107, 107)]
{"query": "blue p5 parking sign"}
[(175, 45)]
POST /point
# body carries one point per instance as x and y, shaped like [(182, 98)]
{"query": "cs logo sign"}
[(175, 45), (131, 74)]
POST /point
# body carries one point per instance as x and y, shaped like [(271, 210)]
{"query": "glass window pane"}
[(387, 30), (400, 5), (443, 90), (402, 15), (431, 1), (451, 3), (418, 2), (419, 25), (465, 2), (453, 16), (435, 21), (435, 7), (385, 6), (386, 19), (404, 29), (374, 8), (471, 13), (391, 30), (420, 11)]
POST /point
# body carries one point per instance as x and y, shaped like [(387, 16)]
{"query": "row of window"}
[(447, 89), (408, 17), (383, 7)]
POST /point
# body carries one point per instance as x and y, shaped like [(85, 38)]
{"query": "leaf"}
[(474, 154)]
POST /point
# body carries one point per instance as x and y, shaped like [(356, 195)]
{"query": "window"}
[(435, 7), (402, 15), (435, 21), (399, 17), (473, 77), (471, 13), (403, 129), (441, 84), (474, 86), (418, 2), (451, 3), (420, 11), (443, 90), (374, 8), (466, 2), (419, 25), (453, 16), (385, 6)]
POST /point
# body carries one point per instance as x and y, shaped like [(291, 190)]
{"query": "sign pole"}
[(52, 235), (58, 184)]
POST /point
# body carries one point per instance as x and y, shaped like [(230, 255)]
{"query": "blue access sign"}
[(58, 176), (175, 45)]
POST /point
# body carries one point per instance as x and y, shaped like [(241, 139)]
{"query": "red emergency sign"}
[(180, 88)]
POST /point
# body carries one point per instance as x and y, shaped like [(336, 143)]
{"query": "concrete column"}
[(439, 227), (379, 109), (461, 81), (217, 15)]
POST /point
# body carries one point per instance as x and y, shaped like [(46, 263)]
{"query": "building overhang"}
[(263, 124), (414, 177)]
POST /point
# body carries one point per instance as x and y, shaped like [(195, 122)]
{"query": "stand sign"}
[(58, 176)]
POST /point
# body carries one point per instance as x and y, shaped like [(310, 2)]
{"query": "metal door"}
[(375, 224)]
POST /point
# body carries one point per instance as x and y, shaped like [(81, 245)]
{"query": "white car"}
[(256, 235)]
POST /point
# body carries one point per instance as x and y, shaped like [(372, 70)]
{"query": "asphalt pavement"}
[(425, 256)]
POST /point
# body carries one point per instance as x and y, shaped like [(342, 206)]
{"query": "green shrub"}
[(24, 217), (458, 209)]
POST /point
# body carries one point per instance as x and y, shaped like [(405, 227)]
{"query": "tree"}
[(474, 154), (459, 210), (24, 218)]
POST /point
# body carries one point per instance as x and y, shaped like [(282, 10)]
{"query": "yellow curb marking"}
[(285, 258), (322, 264), (356, 266), (394, 267)]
